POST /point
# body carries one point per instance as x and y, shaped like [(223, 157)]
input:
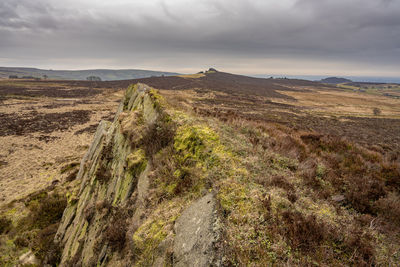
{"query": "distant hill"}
[(335, 80), (104, 74), (231, 84)]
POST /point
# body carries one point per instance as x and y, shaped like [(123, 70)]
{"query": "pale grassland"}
[(32, 164), (342, 103), (192, 76)]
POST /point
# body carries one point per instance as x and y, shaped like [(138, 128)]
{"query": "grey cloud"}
[(22, 14), (345, 31)]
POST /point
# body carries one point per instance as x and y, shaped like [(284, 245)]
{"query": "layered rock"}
[(106, 217)]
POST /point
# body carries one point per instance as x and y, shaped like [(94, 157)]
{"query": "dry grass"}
[(192, 76), (33, 161), (336, 102), (284, 211), (290, 193)]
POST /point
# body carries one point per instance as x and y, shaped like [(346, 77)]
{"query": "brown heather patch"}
[(323, 172), (43, 133), (277, 203), (328, 166), (304, 232)]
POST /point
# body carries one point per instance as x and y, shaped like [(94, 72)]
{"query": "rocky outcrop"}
[(197, 232), (107, 222)]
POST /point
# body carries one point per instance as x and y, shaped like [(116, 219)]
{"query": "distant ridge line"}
[(103, 74)]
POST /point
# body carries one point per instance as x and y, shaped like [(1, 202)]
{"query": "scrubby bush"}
[(377, 111), (158, 135), (115, 234), (5, 225), (389, 207), (308, 171), (304, 232), (359, 244), (47, 211), (44, 247), (25, 239)]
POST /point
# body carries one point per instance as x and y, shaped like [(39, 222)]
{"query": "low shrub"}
[(48, 211), (360, 246), (5, 225), (115, 234), (390, 173), (282, 182), (25, 239), (43, 211), (389, 207), (304, 232), (72, 175), (158, 135), (308, 171), (103, 174), (44, 247), (362, 191), (377, 111)]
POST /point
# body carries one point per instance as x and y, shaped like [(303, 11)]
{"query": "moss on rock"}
[(136, 161)]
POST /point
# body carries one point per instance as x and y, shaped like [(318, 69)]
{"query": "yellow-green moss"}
[(71, 198), (123, 188), (136, 163), (233, 195), (158, 100), (155, 229), (149, 235), (83, 231), (196, 156), (196, 143)]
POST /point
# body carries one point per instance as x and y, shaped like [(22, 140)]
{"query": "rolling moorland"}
[(103, 74), (212, 168)]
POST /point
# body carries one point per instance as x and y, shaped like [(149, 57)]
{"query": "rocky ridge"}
[(111, 221)]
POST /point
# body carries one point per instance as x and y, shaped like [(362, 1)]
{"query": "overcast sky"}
[(294, 37)]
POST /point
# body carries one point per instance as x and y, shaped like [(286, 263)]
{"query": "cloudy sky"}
[(294, 37)]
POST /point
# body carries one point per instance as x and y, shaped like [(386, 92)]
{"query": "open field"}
[(376, 89), (104, 74), (330, 194), (45, 126), (300, 105), (305, 174)]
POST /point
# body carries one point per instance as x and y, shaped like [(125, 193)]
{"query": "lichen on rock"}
[(121, 215)]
